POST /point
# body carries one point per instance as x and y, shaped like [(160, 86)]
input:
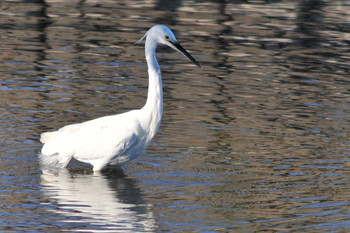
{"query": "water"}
[(255, 141)]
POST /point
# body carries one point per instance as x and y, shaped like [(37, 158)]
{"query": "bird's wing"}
[(105, 143), (100, 138)]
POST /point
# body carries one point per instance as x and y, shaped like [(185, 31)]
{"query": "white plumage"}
[(116, 139)]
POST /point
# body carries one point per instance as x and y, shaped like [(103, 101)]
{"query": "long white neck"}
[(154, 104)]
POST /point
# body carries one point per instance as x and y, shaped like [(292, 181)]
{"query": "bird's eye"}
[(167, 37)]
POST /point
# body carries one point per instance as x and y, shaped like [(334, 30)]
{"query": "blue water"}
[(255, 141)]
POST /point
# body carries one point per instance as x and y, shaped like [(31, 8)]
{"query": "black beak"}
[(179, 48)]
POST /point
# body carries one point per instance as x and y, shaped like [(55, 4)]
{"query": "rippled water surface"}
[(255, 141)]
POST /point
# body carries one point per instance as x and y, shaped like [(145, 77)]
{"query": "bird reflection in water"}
[(109, 201)]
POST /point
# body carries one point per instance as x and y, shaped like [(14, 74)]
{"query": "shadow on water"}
[(310, 20), (99, 202)]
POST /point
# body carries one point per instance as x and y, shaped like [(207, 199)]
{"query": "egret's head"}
[(163, 35)]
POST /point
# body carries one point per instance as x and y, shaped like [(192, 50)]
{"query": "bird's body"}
[(100, 141), (116, 139)]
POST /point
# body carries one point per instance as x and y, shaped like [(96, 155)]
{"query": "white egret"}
[(116, 139)]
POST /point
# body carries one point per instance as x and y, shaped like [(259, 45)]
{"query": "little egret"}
[(116, 139)]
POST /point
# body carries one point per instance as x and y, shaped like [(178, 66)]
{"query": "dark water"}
[(255, 141)]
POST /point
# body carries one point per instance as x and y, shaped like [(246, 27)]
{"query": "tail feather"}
[(51, 154), (47, 136), (54, 160)]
